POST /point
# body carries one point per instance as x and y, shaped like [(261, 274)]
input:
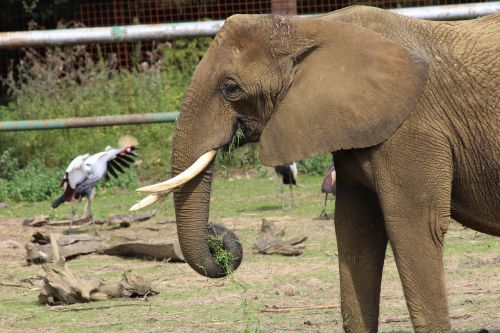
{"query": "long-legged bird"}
[(329, 185), (86, 171), (288, 174)]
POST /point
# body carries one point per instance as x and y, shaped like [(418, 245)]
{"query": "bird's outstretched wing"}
[(120, 158), (77, 171)]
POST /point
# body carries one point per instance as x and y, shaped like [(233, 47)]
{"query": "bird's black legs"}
[(323, 212), (73, 214), (88, 210), (282, 189)]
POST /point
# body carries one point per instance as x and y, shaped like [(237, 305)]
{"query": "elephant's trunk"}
[(192, 212)]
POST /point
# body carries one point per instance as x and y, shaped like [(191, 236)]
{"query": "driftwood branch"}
[(63, 286), (270, 240), (122, 220), (277, 309)]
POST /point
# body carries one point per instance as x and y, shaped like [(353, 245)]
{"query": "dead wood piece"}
[(63, 308), (15, 285), (34, 282), (3, 205), (464, 316), (69, 246), (296, 240), (127, 219), (275, 308), (9, 244), (269, 228), (270, 241), (40, 238), (276, 246), (54, 247), (159, 250), (75, 223), (36, 221), (62, 286)]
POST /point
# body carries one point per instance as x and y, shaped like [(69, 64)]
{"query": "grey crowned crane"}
[(288, 174), (329, 185), (86, 171)]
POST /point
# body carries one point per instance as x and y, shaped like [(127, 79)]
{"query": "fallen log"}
[(40, 250), (69, 246), (63, 286), (161, 250)]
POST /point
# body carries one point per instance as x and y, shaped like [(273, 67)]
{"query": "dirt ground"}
[(188, 302)]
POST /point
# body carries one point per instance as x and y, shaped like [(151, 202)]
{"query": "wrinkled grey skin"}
[(411, 109)]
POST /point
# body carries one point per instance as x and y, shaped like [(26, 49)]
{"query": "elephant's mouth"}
[(243, 133)]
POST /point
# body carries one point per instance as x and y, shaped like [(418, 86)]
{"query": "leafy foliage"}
[(30, 184)]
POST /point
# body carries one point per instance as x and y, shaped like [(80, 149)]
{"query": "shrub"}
[(4, 190), (35, 183), (8, 165)]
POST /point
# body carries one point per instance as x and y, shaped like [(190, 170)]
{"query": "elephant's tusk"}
[(149, 200), (182, 178)]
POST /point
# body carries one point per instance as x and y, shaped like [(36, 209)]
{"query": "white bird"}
[(288, 174), (85, 171)]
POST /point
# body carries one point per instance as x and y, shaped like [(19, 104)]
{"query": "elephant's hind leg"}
[(362, 242), (416, 210)]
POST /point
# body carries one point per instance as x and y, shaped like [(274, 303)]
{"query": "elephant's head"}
[(300, 86)]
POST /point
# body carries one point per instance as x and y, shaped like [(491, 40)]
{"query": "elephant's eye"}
[(231, 90)]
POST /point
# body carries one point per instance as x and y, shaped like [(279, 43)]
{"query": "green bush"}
[(8, 165), (4, 190), (316, 165), (35, 183)]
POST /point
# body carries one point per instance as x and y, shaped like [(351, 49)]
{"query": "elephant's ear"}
[(352, 89)]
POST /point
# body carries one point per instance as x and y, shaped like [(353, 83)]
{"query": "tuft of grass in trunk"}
[(221, 256)]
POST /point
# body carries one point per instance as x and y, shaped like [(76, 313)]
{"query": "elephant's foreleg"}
[(362, 242)]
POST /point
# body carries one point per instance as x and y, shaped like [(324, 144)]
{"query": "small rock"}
[(9, 244), (3, 205), (288, 289)]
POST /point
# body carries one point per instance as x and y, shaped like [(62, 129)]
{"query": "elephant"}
[(409, 108)]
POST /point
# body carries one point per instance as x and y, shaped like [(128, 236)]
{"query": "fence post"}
[(284, 7)]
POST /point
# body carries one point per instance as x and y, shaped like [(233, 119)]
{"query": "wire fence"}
[(121, 78)]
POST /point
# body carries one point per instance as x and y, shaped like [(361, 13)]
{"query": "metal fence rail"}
[(133, 33), (130, 119)]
